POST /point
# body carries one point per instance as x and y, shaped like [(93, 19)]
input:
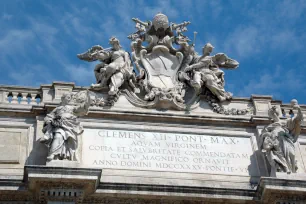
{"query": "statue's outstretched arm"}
[(223, 61), (201, 64), (299, 115), (50, 116), (136, 20), (83, 102), (184, 24), (294, 124), (96, 52)]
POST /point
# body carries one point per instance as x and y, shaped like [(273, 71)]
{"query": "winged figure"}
[(205, 71), (115, 67)]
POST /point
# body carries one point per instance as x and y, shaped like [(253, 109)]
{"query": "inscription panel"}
[(303, 154), (9, 147), (156, 151)]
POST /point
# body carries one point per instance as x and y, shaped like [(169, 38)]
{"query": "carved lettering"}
[(167, 152), (218, 140)]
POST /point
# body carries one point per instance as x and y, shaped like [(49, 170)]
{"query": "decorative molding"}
[(61, 183)]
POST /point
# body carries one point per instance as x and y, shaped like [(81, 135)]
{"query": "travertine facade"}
[(135, 155), (167, 132)]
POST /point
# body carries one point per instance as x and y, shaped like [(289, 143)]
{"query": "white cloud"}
[(81, 74), (290, 10), (275, 82), (216, 7), (110, 30), (30, 74), (15, 40), (286, 40), (244, 41), (51, 41), (13, 45), (163, 6), (272, 30), (7, 17)]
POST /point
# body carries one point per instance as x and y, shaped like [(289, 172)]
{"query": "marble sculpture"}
[(163, 70)]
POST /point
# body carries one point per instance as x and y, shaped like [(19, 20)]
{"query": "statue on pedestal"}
[(279, 138), (62, 127)]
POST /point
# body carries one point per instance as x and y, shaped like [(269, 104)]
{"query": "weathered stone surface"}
[(62, 127), (137, 184), (61, 183), (169, 133), (9, 147), (277, 140), (174, 152)]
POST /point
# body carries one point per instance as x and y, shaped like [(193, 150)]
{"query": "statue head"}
[(207, 49), (184, 44), (66, 98), (115, 43), (188, 47), (160, 21), (273, 114), (267, 144), (133, 46), (294, 103), (191, 49)]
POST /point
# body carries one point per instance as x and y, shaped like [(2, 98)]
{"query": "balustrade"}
[(20, 95)]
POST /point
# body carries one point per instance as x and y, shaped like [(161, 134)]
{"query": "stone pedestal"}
[(61, 183), (63, 163), (281, 190)]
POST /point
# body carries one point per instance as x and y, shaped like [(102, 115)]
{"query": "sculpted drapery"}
[(165, 75), (115, 67), (205, 71), (62, 127), (278, 140)]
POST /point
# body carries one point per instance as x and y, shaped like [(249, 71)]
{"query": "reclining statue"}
[(115, 68), (205, 71)]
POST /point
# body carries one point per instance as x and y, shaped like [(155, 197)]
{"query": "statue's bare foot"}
[(221, 98), (50, 158), (180, 99), (112, 93), (229, 95), (147, 97), (113, 90)]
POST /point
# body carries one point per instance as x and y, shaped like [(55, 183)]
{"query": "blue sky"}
[(39, 40)]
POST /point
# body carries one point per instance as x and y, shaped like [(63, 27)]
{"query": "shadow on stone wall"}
[(39, 152)]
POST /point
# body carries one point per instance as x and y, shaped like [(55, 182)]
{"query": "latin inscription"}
[(303, 151), (166, 152)]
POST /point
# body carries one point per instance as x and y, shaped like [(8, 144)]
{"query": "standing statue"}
[(115, 68), (278, 140), (205, 71), (62, 127)]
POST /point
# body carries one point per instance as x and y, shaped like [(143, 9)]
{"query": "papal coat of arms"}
[(166, 73)]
